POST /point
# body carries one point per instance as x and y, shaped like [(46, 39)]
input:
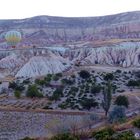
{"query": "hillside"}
[(43, 30)]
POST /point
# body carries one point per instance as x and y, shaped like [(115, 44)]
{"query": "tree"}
[(84, 74), (32, 91), (109, 77), (117, 114), (88, 103), (107, 96), (17, 94), (57, 94), (122, 101)]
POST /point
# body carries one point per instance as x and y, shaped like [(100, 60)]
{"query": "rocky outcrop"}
[(125, 54), (40, 65)]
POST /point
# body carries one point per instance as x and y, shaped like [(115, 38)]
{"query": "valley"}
[(70, 76)]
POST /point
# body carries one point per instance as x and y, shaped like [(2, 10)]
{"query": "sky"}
[(18, 9)]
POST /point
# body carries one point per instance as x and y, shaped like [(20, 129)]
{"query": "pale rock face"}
[(125, 54), (10, 62), (40, 65)]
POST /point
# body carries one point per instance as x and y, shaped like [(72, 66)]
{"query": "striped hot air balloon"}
[(13, 38)]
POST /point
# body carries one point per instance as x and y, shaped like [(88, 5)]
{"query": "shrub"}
[(120, 91), (65, 136), (20, 87), (40, 82), (88, 103), (136, 123), (109, 76), (17, 94), (16, 86), (57, 94), (126, 135), (96, 89), (122, 101), (118, 71), (32, 91), (55, 78), (74, 89), (117, 114), (59, 74), (27, 138), (84, 74), (67, 81), (26, 81), (12, 85), (133, 83), (48, 78), (103, 134)]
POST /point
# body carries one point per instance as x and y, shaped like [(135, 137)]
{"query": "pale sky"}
[(17, 9)]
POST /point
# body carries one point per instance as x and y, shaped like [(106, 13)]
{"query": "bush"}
[(17, 94), (12, 85), (64, 137), (59, 74), (88, 103), (74, 89), (133, 83), (136, 123), (109, 76), (110, 134), (120, 91), (32, 91), (118, 71), (117, 114), (127, 135), (67, 81), (84, 74), (40, 82), (16, 86), (20, 87), (96, 89), (48, 78), (122, 101), (55, 78), (57, 94), (27, 138), (104, 134), (26, 81)]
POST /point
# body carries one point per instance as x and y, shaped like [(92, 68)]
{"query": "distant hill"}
[(42, 30)]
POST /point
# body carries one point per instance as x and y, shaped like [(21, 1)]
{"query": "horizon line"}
[(41, 15)]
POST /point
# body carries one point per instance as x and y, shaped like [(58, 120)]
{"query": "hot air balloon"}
[(13, 38)]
